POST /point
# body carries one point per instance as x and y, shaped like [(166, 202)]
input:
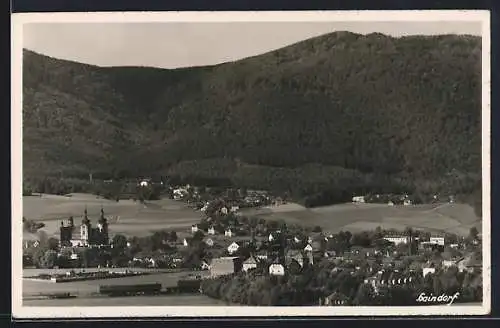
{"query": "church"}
[(88, 236)]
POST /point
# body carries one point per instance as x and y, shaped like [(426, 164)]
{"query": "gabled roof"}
[(250, 260)]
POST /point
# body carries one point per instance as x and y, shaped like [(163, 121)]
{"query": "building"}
[(211, 231), (407, 202), (209, 242), (276, 269), (335, 299), (194, 228), (89, 236), (233, 248), (397, 239), (249, 264), (228, 233), (358, 199), (308, 248), (225, 266), (185, 242), (428, 270), (437, 240)]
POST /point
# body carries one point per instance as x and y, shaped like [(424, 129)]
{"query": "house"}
[(185, 242), (470, 264), (228, 233), (358, 199), (249, 264), (437, 240), (209, 242), (407, 202), (397, 239), (205, 265), (296, 240), (390, 203), (233, 248), (428, 269), (449, 263), (294, 255), (225, 265), (211, 231), (194, 228), (144, 183), (223, 210), (234, 209), (308, 248), (276, 269), (271, 237)]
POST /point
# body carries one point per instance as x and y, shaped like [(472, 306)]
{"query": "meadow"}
[(135, 219), (435, 218), (124, 217)]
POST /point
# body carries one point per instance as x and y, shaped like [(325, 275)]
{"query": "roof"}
[(250, 260)]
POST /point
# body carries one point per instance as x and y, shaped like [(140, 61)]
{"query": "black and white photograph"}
[(198, 164)]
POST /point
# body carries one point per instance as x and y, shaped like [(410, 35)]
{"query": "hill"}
[(361, 107)]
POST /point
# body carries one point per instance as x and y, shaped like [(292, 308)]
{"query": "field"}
[(125, 217), (32, 287), (452, 218)]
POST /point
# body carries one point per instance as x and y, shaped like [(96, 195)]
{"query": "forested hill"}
[(409, 106)]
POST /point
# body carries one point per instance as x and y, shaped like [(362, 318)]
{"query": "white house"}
[(223, 210), (308, 248), (233, 248), (276, 270), (234, 208), (397, 239), (205, 266), (262, 257), (407, 202), (296, 239), (437, 241), (185, 242), (144, 183), (228, 233), (249, 264), (426, 271), (390, 203), (211, 231), (271, 237), (449, 263), (209, 242), (358, 199), (194, 228)]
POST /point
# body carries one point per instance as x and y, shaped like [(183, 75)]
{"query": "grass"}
[(452, 218), (125, 217)]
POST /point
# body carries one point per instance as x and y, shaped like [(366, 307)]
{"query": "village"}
[(227, 244)]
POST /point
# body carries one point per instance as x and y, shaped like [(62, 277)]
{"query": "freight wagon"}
[(128, 290)]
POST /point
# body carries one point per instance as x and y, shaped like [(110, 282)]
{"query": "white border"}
[(22, 312)]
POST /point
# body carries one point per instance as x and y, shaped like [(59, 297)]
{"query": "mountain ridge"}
[(408, 106)]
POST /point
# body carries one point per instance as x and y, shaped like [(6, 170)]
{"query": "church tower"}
[(85, 228), (102, 225)]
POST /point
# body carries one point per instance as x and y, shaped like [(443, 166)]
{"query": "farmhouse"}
[(209, 242), (233, 248), (358, 199), (249, 264), (397, 239), (276, 269), (437, 240)]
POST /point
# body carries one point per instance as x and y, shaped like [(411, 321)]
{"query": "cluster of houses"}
[(392, 200)]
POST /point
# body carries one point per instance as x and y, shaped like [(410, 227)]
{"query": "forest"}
[(322, 119)]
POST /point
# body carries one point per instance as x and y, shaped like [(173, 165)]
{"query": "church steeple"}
[(85, 220)]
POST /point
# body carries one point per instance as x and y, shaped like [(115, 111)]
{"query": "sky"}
[(178, 44)]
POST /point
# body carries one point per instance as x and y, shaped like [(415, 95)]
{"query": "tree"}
[(173, 236), (49, 259), (317, 229), (473, 233), (119, 241), (53, 243)]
